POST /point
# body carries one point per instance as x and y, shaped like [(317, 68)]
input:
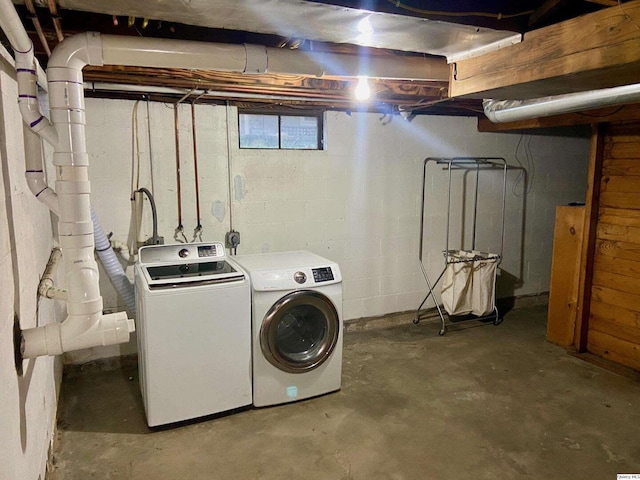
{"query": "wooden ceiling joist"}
[(598, 50), (302, 87)]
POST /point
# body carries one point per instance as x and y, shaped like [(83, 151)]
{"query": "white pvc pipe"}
[(85, 325), (57, 338), (123, 249), (26, 72), (37, 183), (500, 111), (255, 59)]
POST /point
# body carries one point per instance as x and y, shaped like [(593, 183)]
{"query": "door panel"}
[(613, 330)]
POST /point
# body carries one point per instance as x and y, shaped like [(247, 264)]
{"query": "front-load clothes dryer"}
[(296, 325), (194, 332)]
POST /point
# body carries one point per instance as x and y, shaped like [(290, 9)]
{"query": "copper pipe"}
[(177, 125), (53, 8), (195, 157), (195, 161), (36, 23)]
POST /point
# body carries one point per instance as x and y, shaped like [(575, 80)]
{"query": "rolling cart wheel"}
[(498, 320), (416, 320), (442, 331)]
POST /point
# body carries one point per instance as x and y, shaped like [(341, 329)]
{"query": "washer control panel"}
[(192, 252), (324, 274), (211, 250)]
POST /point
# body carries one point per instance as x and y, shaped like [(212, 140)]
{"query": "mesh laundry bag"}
[(483, 284), (456, 292)]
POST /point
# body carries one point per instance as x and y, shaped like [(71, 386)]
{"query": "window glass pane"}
[(299, 132), (258, 131)]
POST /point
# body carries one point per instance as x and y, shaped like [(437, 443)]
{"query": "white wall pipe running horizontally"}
[(85, 325), (501, 111)]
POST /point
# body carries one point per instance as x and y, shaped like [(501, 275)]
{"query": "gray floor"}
[(482, 402)]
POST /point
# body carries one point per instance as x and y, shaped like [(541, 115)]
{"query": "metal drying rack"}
[(473, 164)]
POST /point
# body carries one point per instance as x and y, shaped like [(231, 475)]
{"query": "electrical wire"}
[(499, 16), (617, 110), (151, 173), (528, 170), (135, 147), (627, 15), (227, 108)]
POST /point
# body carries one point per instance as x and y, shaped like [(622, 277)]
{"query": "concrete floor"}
[(482, 402)]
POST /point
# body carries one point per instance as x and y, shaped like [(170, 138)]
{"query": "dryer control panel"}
[(324, 274)]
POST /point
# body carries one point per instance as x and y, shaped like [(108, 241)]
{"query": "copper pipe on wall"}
[(177, 128), (53, 8), (180, 228), (36, 23), (195, 162)]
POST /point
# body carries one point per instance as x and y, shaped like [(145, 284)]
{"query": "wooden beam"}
[(393, 91), (546, 10), (597, 50), (589, 237), (599, 115), (606, 3)]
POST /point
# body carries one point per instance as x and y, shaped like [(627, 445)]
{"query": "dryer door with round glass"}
[(300, 331)]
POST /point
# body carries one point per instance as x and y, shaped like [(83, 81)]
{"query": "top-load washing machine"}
[(296, 325), (194, 332)]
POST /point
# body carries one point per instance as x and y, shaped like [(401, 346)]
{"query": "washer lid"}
[(171, 266)]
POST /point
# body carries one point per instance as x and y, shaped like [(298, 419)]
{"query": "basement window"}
[(280, 131)]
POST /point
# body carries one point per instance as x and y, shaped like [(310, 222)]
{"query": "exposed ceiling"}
[(451, 28)]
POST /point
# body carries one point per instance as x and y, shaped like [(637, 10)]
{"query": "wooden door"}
[(613, 330)]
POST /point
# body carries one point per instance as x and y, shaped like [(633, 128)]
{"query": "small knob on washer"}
[(183, 253), (300, 277)]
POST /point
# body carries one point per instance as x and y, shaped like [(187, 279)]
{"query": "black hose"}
[(154, 213)]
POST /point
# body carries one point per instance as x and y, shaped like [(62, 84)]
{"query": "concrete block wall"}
[(357, 202), (28, 400)]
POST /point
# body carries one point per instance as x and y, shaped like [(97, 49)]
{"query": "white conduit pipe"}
[(500, 111), (26, 72), (35, 175), (86, 326), (112, 265), (156, 52)]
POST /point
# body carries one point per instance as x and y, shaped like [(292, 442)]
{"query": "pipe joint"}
[(77, 51), (70, 335), (37, 183), (257, 60)]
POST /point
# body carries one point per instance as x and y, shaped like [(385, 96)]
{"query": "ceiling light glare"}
[(365, 28), (363, 92)]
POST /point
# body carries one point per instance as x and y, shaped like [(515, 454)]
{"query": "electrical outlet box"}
[(232, 239), (150, 241)]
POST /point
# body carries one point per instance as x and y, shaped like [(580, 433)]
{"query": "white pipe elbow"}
[(27, 76), (76, 333), (38, 185), (76, 52), (47, 289), (122, 248), (38, 123)]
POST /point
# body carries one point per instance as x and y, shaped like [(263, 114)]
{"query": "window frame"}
[(317, 114)]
